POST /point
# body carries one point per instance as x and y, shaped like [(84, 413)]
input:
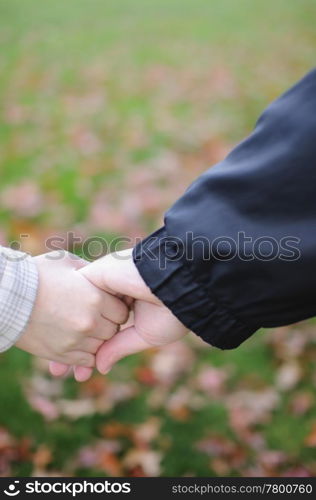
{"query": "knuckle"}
[(110, 332), (75, 323), (95, 299), (122, 314), (79, 359), (70, 343), (85, 360), (86, 325)]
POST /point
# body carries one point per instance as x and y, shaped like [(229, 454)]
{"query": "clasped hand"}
[(80, 308)]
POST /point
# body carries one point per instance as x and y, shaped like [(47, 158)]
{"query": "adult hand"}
[(154, 324), (71, 316)]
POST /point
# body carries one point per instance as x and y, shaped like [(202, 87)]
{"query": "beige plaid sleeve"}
[(18, 287)]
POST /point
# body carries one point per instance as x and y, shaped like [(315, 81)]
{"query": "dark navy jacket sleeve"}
[(238, 249)]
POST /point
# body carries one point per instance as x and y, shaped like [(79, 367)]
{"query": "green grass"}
[(96, 92)]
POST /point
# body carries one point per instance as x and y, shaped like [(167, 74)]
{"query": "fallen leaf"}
[(310, 439), (42, 457), (145, 375), (212, 380), (114, 430), (24, 199), (146, 432), (48, 409), (288, 376), (301, 403), (170, 362), (147, 460)]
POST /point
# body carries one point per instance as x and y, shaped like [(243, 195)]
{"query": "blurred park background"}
[(108, 110)]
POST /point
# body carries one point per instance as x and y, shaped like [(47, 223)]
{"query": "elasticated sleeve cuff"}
[(170, 278)]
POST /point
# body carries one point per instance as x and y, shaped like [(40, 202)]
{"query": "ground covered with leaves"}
[(108, 109)]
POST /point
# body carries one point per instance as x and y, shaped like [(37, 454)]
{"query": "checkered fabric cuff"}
[(18, 288)]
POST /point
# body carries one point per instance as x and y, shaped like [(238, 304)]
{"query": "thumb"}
[(123, 344)]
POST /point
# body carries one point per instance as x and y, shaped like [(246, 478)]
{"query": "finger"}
[(58, 369), (117, 274), (79, 263), (105, 330), (76, 261), (80, 358), (82, 373), (90, 344), (128, 301), (114, 309), (123, 344)]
